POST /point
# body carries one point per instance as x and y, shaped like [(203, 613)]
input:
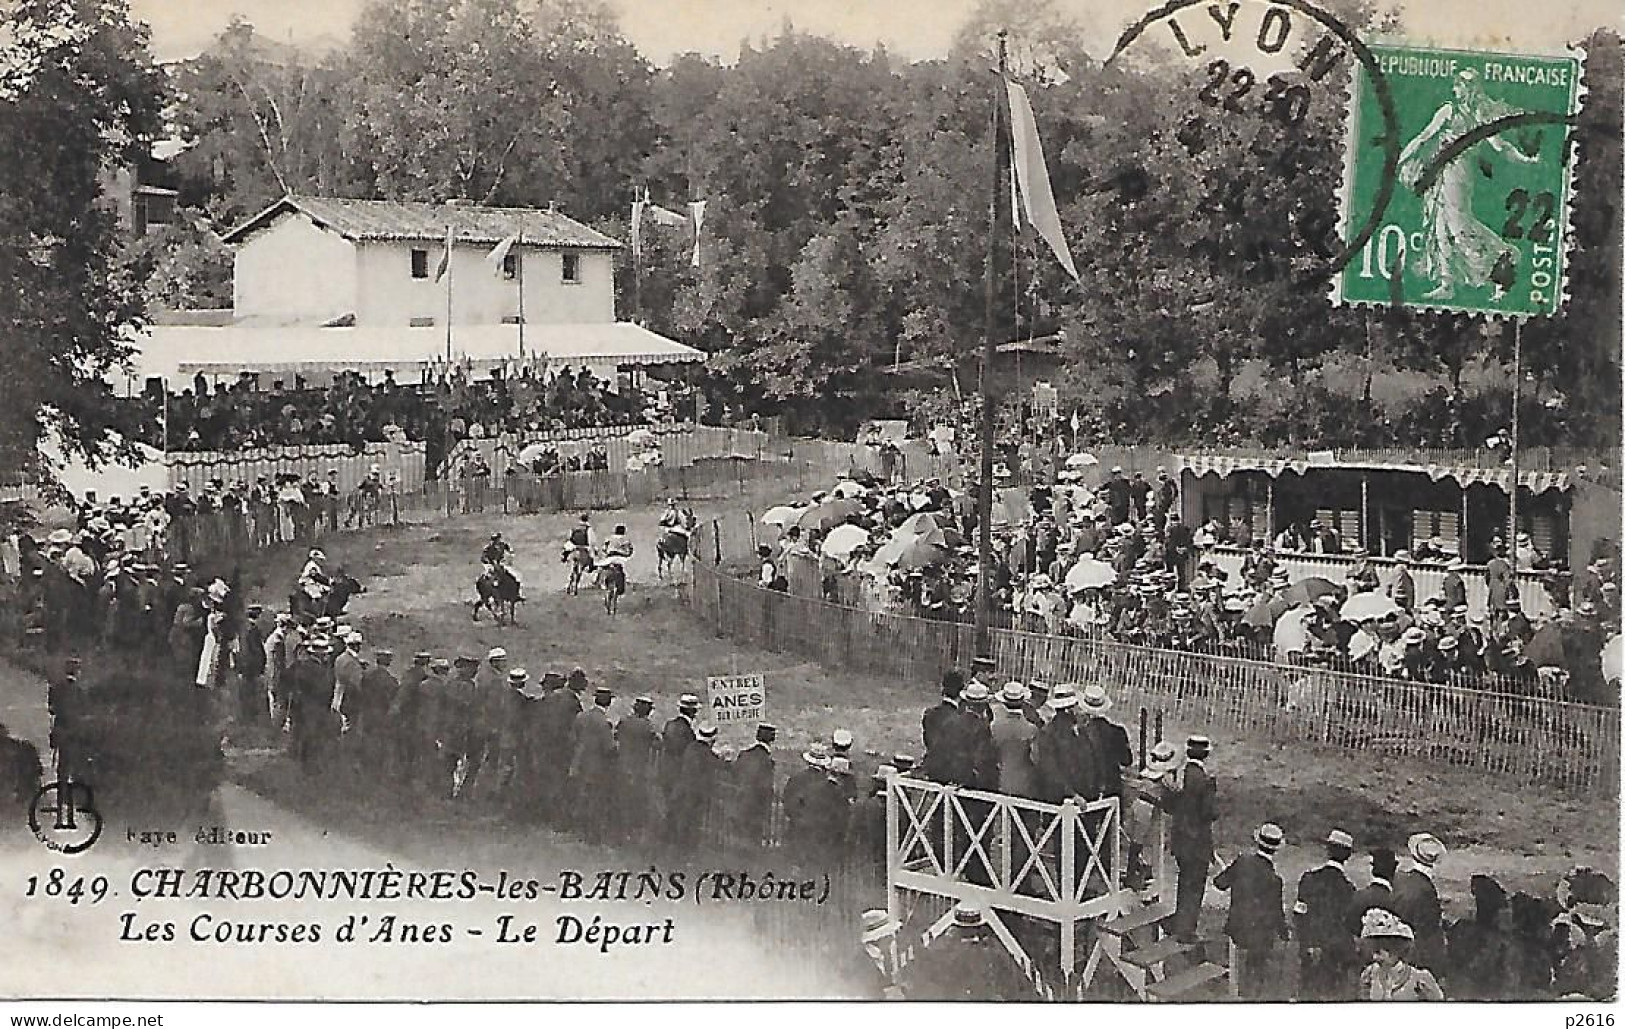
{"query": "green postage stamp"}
[(1476, 219)]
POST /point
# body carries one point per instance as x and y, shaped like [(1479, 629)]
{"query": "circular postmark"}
[(1230, 84), (63, 816)]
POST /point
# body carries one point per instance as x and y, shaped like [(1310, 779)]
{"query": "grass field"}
[(419, 581)]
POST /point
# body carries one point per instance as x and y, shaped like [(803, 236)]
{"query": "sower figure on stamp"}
[(1194, 807)]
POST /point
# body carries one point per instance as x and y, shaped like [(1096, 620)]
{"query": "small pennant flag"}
[(499, 254), (445, 258), (637, 226), (1033, 175), (697, 210)]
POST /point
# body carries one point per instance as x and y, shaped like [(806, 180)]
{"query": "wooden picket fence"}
[(1534, 739)]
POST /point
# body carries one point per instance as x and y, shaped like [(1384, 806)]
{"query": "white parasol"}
[(1367, 607), (1291, 634), (1090, 574), (783, 515), (843, 539), (1082, 461)]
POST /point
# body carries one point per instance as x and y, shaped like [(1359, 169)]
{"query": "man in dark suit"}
[(1326, 949), (1453, 585), (675, 739), (753, 774), (1403, 587), (1380, 892), (636, 745), (1193, 808), (1256, 919), (555, 726), (1416, 902), (1108, 742), (1061, 752), (953, 683), (592, 768)]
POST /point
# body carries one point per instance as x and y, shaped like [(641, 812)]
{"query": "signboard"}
[(736, 701), (876, 432), (1477, 219), (1046, 400)]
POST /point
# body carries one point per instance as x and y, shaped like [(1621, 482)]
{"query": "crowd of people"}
[(1385, 940), (1118, 563), (449, 405), (551, 748)]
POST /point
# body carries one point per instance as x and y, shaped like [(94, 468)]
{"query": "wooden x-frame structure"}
[(1059, 863)]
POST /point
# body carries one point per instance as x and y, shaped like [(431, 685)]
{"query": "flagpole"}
[(984, 498), (519, 273), (448, 292), (637, 258)]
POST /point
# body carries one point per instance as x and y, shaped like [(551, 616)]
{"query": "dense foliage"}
[(848, 213)]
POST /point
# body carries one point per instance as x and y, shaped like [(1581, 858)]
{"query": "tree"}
[(82, 95)]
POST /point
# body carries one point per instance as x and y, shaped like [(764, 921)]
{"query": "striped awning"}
[(1501, 478)]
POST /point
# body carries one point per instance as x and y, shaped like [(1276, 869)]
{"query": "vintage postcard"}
[(994, 500)]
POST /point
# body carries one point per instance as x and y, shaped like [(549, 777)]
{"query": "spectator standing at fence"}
[(1479, 952), (636, 747), (248, 658), (1379, 893), (1326, 947), (1194, 809), (675, 739), (403, 722), (698, 783), (801, 799), (753, 774), (1108, 742), (1416, 901), (1256, 920), (953, 683), (1061, 757), (555, 728), (592, 768), (1013, 737), (868, 829)]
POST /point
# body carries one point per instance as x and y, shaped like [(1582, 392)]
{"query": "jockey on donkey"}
[(578, 553), (612, 572), (319, 595), (498, 585), (676, 528)]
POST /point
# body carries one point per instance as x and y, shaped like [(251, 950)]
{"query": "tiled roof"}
[(398, 220)]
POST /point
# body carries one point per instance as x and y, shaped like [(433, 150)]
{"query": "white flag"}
[(697, 210), (499, 254), (1033, 174), (637, 221)]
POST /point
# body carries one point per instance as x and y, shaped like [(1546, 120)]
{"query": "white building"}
[(322, 286), (373, 263)]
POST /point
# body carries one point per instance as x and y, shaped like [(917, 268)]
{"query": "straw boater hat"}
[(976, 693), (1164, 758), (1425, 849), (818, 756), (1339, 838), (1063, 696), (1268, 838), (1014, 694), (1095, 699)]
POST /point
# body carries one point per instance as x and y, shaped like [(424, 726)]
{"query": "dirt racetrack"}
[(420, 587)]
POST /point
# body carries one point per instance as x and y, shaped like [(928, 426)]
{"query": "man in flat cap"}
[(592, 768), (1326, 948)]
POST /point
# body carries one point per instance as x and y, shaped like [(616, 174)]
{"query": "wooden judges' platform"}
[(1050, 880)]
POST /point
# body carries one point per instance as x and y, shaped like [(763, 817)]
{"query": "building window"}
[(420, 264), (510, 266), (572, 268)]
